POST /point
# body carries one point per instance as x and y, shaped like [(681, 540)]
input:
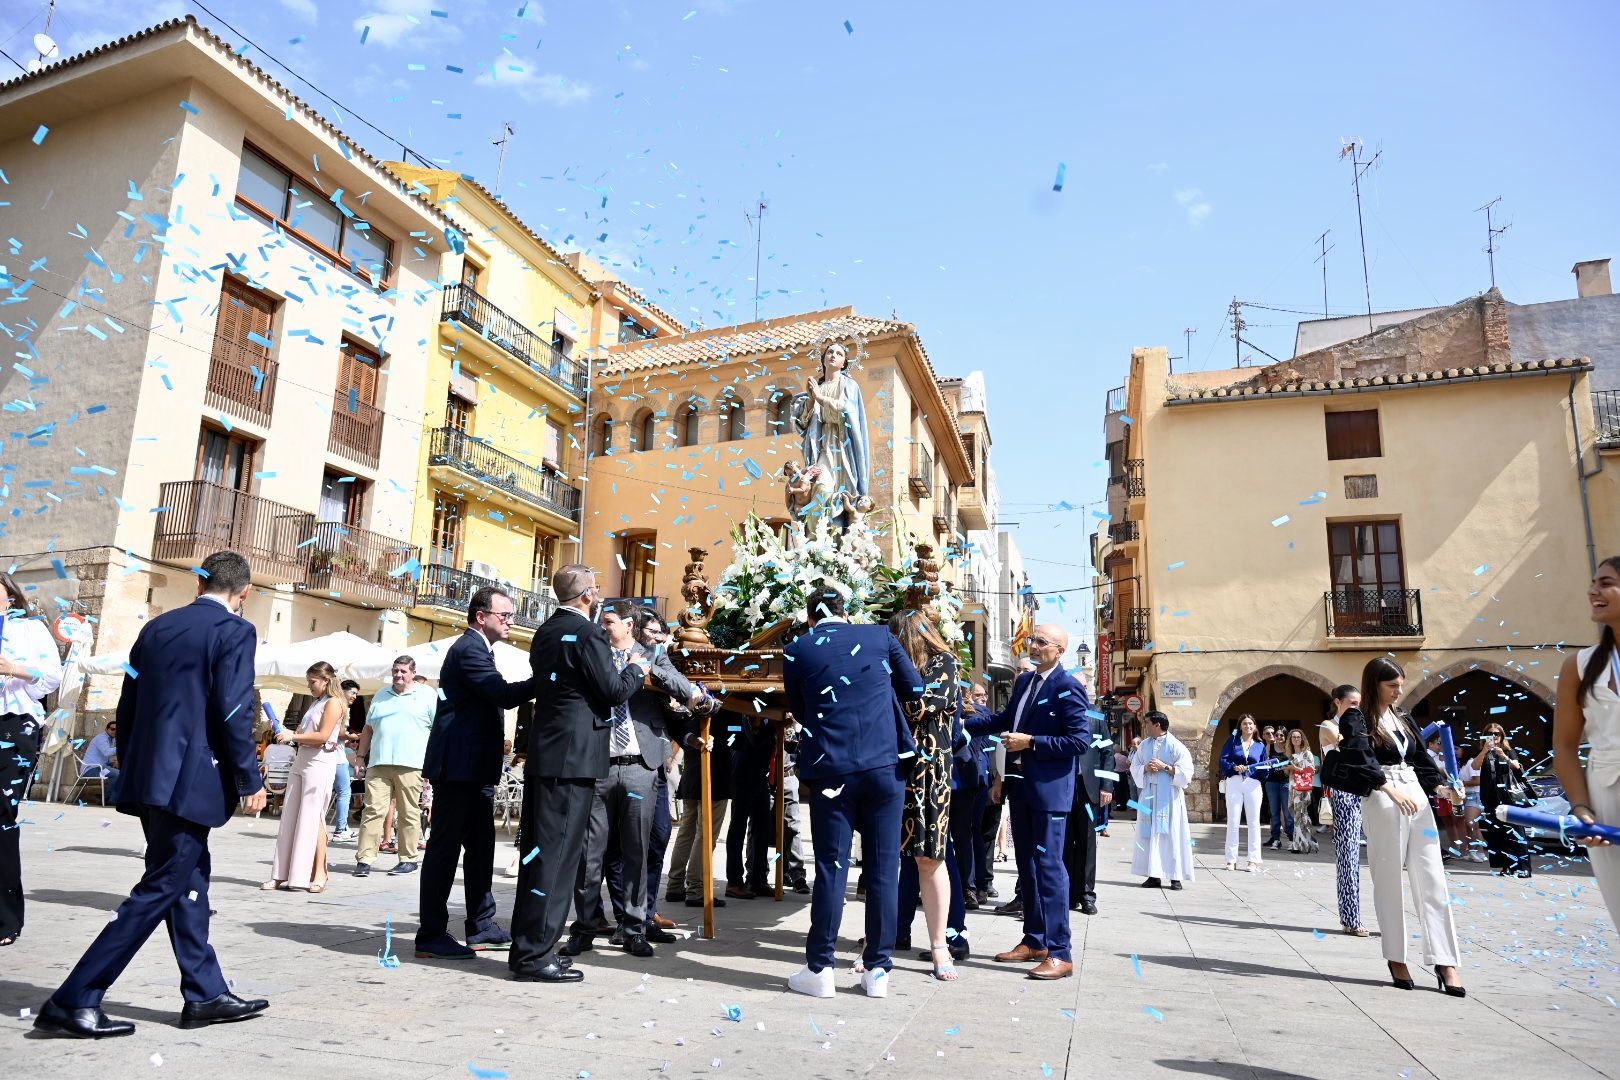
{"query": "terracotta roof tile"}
[(794, 334), (1181, 395)]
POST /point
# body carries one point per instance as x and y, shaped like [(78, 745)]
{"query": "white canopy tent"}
[(372, 671), (282, 667)]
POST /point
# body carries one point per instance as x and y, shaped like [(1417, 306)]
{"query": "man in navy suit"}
[(844, 685), (465, 752), (1046, 729), (970, 792), (185, 740)]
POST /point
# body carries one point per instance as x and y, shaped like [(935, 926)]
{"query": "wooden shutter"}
[(242, 311), (357, 371), (1353, 435)]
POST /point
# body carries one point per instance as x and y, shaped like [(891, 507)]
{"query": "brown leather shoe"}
[(739, 892), (1051, 968), (663, 923), (1022, 954)]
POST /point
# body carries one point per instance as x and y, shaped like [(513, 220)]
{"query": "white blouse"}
[(29, 642)]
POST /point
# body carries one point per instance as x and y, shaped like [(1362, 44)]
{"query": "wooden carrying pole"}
[(708, 832), (781, 803)]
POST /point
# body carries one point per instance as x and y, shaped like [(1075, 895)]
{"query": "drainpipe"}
[(1580, 471)]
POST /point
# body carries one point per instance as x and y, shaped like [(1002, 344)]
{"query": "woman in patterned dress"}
[(925, 821)]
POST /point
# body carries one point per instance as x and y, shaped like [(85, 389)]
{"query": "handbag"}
[(1324, 811)]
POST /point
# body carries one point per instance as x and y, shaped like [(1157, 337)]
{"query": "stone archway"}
[(1472, 694), (1430, 682), (1203, 801)]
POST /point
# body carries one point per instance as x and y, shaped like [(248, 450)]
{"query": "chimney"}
[(1592, 278)]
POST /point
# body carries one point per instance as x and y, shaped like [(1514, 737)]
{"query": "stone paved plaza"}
[(1240, 975)]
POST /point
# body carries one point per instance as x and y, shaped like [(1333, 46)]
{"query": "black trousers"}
[(967, 817), (1080, 847), (555, 813), (984, 855), (663, 825), (464, 830), (751, 815), (17, 762)]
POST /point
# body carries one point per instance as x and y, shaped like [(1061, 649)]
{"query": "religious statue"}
[(694, 618), (832, 430)]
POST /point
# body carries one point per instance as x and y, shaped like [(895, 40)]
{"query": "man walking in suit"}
[(1045, 729), (185, 743), (463, 763), (845, 684), (624, 803), (1091, 794), (570, 737)]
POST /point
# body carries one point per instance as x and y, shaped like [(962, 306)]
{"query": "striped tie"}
[(620, 745)]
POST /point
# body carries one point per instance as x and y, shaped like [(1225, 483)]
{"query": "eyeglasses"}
[(504, 616), (1041, 641)]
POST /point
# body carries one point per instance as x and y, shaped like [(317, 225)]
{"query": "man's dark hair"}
[(226, 572), (646, 616), (404, 658), (825, 603), (1344, 690), (348, 684), (1158, 719), (481, 600), (624, 609)]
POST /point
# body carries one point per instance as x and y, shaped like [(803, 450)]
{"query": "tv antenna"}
[(1322, 258), (758, 225), (44, 44), (507, 131), (1186, 333), (1352, 149), (1491, 233)]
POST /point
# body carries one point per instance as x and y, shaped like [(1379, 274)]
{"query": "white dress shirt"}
[(28, 642)]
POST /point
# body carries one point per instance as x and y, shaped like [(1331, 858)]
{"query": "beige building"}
[(1425, 492), (690, 434), (236, 362)]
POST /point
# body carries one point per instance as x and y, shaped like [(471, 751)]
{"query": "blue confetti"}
[(1057, 185), (39, 136)]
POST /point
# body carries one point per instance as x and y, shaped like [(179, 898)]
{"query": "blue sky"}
[(909, 166)]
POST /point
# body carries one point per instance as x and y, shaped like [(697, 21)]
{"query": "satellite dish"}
[(46, 46)]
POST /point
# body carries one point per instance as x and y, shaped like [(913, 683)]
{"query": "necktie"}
[(621, 717), (1029, 696)]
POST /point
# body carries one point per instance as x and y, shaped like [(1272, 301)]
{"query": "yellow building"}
[(690, 434), (1416, 493), (498, 485)]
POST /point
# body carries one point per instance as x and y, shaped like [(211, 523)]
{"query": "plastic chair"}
[(82, 781), (278, 763)]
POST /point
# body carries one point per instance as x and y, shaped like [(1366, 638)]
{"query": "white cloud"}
[(96, 22), (300, 9), (401, 22), (533, 85), (1158, 168), (1192, 200)]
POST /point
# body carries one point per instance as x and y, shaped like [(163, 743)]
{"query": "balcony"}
[(241, 382), (464, 306), (1124, 532), (922, 473), (972, 510), (503, 474), (451, 589), (1115, 402), (1358, 614), (358, 564), (1135, 479), (195, 519), (356, 430), (1606, 417), (1137, 638)]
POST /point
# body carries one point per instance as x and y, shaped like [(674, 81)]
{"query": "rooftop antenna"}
[(507, 131), (758, 225), (1187, 333), (1352, 149), (44, 44), (1491, 233), (1322, 258)]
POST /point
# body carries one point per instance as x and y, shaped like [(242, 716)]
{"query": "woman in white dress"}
[(1592, 715), (300, 860)]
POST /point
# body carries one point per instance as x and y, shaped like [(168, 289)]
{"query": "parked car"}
[(1548, 791)]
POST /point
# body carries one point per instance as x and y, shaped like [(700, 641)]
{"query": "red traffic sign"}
[(1133, 704)]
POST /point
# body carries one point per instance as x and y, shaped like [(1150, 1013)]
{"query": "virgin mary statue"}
[(832, 431)]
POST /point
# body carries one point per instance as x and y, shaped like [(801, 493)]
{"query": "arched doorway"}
[(1281, 698), (1469, 699)]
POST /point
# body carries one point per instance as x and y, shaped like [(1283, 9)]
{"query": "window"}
[(543, 560), (1366, 555), (448, 515), (342, 498), (554, 446), (225, 459), (637, 554), (358, 370), (689, 425), (471, 274), (241, 375), (562, 343), (776, 413), (274, 193), (1353, 435), (647, 431), (630, 330), (968, 444), (458, 413), (602, 436), (733, 420)]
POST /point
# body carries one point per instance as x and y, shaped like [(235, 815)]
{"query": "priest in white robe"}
[(1162, 768)]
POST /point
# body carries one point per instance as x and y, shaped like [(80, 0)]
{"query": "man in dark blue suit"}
[(463, 763), (1046, 729), (970, 791), (845, 684), (185, 741)]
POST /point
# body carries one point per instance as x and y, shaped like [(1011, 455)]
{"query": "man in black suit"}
[(624, 802), (185, 742), (581, 684), (1091, 794), (463, 763)]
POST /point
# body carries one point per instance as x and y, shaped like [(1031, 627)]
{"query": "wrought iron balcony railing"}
[(1115, 402), (1121, 531), (241, 381), (1360, 612), (475, 312), (1135, 478), (1606, 416), (361, 564), (1136, 629), (460, 451), (447, 587)]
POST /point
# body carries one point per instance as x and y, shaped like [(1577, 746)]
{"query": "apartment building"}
[(976, 548), (217, 300)]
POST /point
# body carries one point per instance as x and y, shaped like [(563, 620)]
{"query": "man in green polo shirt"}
[(393, 744)]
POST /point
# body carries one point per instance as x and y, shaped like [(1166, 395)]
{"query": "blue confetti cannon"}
[(1567, 825)]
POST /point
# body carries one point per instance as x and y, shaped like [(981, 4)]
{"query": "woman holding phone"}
[(1501, 782)]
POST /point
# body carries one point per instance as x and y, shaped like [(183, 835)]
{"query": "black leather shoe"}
[(1175, 886), (902, 944), (1152, 883), (675, 896), (696, 900), (617, 937), (578, 942), (1014, 906), (553, 972), (989, 893), (221, 1010), (601, 926), (970, 900), (79, 1023), (659, 936), (1088, 907), (801, 886), (636, 945), (362, 869)]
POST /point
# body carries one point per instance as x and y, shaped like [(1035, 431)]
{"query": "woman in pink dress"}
[(300, 860)]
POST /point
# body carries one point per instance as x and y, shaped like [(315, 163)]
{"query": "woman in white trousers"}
[(1384, 761), (1592, 714), (1241, 766), (300, 859)]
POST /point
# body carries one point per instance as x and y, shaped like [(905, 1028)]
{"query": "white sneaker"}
[(1477, 856), (876, 983), (818, 984), (1231, 866)]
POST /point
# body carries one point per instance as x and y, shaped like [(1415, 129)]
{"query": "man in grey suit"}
[(624, 804)]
